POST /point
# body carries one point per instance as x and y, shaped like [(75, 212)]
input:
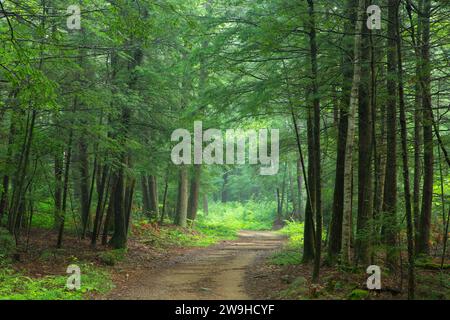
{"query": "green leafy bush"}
[(294, 231), (358, 294), (7, 244)]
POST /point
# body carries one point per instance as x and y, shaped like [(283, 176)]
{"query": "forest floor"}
[(222, 271), (175, 263)]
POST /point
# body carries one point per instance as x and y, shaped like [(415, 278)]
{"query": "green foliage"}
[(433, 286), (298, 289), (112, 257), (7, 244), (294, 231), (358, 294), (203, 234), (251, 215), (16, 286), (286, 258)]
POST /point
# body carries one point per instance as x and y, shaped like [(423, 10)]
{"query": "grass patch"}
[(286, 257), (203, 234), (16, 286), (251, 215), (112, 257)]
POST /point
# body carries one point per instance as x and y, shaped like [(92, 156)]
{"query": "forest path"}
[(217, 272)]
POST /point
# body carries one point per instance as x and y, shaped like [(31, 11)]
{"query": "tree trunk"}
[(6, 177), (101, 195), (316, 139), (406, 183), (145, 196), (423, 245), (83, 166), (308, 232), (299, 188), (335, 235), (294, 195), (418, 131), (65, 188), (390, 188), (181, 214), (365, 188), (119, 237), (194, 194), (348, 166), (153, 196)]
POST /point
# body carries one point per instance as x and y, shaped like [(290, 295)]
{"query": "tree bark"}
[(423, 245), (406, 182), (348, 167), (335, 235), (390, 189), (308, 232), (181, 214), (153, 196), (365, 187), (145, 196), (194, 194)]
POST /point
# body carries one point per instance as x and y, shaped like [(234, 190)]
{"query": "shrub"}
[(358, 294), (112, 257), (7, 244)]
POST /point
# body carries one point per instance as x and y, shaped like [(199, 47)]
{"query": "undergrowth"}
[(17, 286)]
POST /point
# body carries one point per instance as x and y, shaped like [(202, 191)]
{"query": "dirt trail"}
[(217, 272)]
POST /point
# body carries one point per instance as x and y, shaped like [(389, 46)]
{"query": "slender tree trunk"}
[(308, 236), (109, 213), (145, 196), (348, 167), (59, 163), (119, 237), (423, 245), (6, 177), (299, 189), (65, 188), (390, 188), (153, 195), (129, 193), (98, 212), (365, 148), (316, 139), (163, 213), (418, 131), (181, 215), (194, 194), (406, 182), (335, 235), (83, 166), (294, 195)]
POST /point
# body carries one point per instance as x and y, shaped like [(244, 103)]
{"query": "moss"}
[(358, 294)]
